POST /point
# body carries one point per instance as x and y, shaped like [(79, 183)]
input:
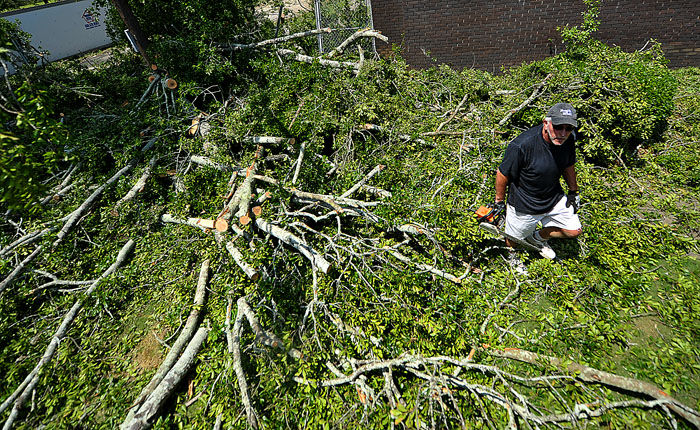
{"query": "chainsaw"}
[(490, 220), (488, 214)]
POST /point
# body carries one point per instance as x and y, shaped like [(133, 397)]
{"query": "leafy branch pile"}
[(324, 211)]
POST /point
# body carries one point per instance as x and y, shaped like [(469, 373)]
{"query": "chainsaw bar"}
[(494, 231)]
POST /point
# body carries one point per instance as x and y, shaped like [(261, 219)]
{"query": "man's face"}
[(556, 134)]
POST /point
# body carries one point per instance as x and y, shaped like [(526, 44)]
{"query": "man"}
[(531, 168)]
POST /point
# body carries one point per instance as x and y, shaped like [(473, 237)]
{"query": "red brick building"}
[(489, 34)]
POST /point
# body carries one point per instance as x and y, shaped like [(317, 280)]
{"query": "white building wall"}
[(64, 29)]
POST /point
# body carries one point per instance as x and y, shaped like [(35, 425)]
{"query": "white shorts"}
[(521, 225)]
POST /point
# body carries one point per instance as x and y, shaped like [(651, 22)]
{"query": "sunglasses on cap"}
[(561, 127)]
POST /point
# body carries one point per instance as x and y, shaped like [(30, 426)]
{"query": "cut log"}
[(192, 222), (182, 340), (221, 225)]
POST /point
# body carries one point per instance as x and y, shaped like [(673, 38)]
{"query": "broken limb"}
[(238, 259), (591, 375), (235, 348), (454, 113), (63, 187), (411, 228), (236, 46), (144, 417), (241, 199), (55, 281), (8, 280), (376, 191), (57, 195), (24, 390), (182, 340), (297, 168), (227, 326), (261, 335), (324, 62), (363, 181), (78, 213), (365, 32), (303, 195), (290, 239), (148, 91), (505, 301), (329, 200), (406, 137), (203, 161), (200, 223), (533, 96), (425, 267), (140, 184), (268, 140)]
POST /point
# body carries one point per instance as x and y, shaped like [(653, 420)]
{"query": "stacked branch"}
[(175, 365), (69, 221)]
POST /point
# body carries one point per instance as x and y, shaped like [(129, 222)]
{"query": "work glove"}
[(573, 199)]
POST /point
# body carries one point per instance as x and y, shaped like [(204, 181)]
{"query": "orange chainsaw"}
[(490, 221), (491, 214)]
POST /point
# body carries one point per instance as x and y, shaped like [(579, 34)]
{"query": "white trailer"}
[(64, 29)]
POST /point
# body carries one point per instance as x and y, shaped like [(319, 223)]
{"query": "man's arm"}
[(501, 185), (570, 178)]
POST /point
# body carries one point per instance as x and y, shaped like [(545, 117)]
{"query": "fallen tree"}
[(367, 287)]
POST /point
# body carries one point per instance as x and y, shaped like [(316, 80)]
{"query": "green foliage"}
[(31, 140), (622, 297)]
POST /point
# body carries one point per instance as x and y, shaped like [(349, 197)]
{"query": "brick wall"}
[(489, 34)]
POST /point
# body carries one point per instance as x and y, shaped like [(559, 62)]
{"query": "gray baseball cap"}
[(563, 113)]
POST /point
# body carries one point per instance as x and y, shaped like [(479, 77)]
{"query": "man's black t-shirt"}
[(533, 168)]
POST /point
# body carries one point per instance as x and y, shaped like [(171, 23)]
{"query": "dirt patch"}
[(651, 327), (148, 353)]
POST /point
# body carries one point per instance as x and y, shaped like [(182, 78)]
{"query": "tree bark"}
[(132, 24)]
